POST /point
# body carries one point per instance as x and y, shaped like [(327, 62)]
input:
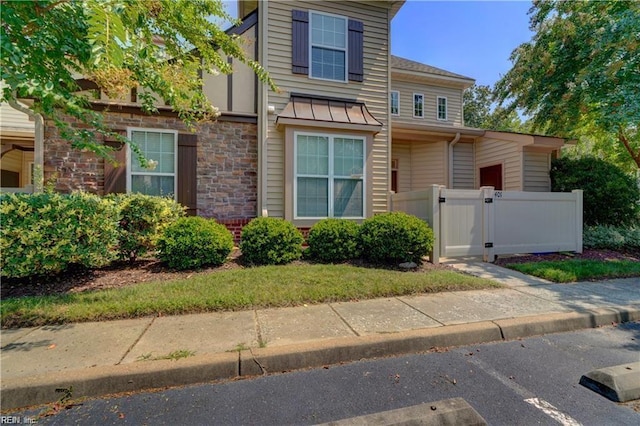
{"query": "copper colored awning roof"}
[(320, 111)]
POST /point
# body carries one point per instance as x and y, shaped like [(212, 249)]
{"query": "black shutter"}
[(300, 42), (356, 50), (187, 172), (115, 175)]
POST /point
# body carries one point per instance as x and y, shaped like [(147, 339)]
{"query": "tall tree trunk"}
[(627, 145)]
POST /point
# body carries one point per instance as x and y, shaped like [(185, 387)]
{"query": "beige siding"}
[(431, 93), (463, 166), (242, 82), (428, 165), (12, 161), (536, 171), (13, 120), (490, 152), (401, 151), (373, 90)]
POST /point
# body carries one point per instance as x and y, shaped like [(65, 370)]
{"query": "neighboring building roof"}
[(322, 109), (403, 64)]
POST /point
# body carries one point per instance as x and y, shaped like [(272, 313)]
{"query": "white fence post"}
[(435, 223), (488, 224), (579, 224)]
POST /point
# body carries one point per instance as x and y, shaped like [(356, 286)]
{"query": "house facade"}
[(349, 124)]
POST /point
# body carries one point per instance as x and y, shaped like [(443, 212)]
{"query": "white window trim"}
[(391, 103), (346, 46), (330, 176), (414, 105), (130, 130), (446, 108)]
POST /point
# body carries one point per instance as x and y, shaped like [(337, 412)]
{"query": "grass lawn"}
[(564, 271), (260, 287)]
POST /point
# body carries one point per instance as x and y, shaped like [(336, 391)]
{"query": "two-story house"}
[(350, 124)]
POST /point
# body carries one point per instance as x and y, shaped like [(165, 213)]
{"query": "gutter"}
[(38, 151), (452, 143)]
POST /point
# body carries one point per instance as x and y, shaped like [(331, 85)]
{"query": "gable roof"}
[(407, 66)]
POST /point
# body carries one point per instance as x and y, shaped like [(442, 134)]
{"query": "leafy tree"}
[(481, 112), (580, 71), (159, 45)]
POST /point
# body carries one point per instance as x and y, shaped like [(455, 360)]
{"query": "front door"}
[(491, 176)]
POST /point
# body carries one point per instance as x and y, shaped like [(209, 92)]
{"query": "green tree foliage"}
[(480, 112), (580, 71), (159, 45), (610, 196)]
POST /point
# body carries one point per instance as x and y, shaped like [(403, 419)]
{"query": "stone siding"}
[(227, 177)]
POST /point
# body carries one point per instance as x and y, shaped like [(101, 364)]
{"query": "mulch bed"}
[(122, 274), (603, 255)]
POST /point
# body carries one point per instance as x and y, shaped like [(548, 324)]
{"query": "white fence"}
[(488, 223)]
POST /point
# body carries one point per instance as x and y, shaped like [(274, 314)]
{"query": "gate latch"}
[(488, 200)]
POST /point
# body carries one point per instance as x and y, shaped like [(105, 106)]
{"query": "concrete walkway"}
[(117, 356)]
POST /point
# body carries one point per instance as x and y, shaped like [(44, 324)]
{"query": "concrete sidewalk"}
[(117, 356)]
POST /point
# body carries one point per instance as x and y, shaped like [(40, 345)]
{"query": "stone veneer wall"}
[(227, 164)]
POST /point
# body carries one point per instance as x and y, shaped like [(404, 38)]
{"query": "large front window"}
[(330, 176), (328, 46), (159, 147)]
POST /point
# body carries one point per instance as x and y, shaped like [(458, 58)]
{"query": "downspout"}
[(38, 151), (262, 111), (452, 143)]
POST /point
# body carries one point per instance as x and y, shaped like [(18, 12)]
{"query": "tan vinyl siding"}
[(401, 151), (12, 161), (431, 93), (373, 90), (428, 162), (243, 82), (490, 152), (14, 120), (536, 171), (463, 166)]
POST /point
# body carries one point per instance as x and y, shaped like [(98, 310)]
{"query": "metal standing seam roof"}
[(327, 109)]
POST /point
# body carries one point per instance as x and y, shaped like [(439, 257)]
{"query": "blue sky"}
[(472, 38)]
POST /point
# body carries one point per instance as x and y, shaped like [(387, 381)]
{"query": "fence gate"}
[(487, 222), (464, 224)]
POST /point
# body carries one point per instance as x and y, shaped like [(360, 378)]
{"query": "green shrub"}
[(270, 241), (142, 222), (610, 237), (193, 242), (333, 240), (46, 233), (394, 238), (610, 196)]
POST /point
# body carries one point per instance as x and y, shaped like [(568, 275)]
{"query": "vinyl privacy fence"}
[(489, 223)]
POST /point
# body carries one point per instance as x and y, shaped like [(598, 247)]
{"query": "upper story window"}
[(328, 46), (160, 147), (442, 108), (394, 102), (418, 105)]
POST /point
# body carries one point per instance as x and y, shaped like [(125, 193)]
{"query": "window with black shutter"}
[(326, 46)]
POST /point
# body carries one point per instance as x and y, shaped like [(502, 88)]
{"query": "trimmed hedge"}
[(333, 240), (395, 237), (46, 233), (193, 242), (143, 219), (270, 241), (611, 197)]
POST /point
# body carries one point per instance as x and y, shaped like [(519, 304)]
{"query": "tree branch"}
[(627, 145)]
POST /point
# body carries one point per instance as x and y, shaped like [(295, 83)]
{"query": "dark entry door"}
[(491, 176)]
